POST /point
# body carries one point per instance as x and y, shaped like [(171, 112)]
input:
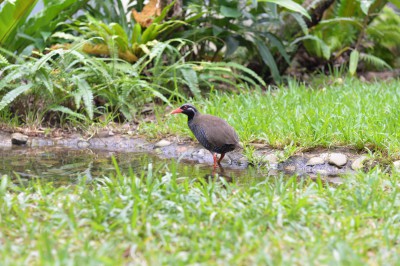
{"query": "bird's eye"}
[(184, 107)]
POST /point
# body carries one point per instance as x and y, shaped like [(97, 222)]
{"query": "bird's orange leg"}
[(215, 160), (220, 158)]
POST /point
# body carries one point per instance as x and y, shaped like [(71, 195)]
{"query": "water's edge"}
[(311, 163)]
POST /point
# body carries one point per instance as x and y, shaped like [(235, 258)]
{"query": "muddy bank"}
[(329, 163)]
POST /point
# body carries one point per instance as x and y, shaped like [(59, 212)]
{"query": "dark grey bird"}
[(214, 133)]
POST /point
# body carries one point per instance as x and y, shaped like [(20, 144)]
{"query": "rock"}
[(322, 172), (202, 152), (271, 158), (358, 163), (242, 161), (83, 144), (290, 168), (338, 159), (324, 156), (19, 139), (162, 143), (315, 161), (396, 166)]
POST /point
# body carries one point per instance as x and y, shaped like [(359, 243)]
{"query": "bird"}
[(213, 133)]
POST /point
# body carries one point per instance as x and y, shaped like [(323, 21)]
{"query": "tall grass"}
[(354, 114), (163, 217)]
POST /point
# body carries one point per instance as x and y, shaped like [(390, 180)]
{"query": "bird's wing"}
[(218, 131)]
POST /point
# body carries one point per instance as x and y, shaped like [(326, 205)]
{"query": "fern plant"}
[(78, 86)]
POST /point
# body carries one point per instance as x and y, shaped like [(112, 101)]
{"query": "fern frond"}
[(67, 111), (375, 61), (3, 61), (11, 95), (86, 94)]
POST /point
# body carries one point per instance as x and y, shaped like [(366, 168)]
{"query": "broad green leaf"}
[(268, 59), (231, 45), (276, 42), (121, 36), (365, 5), (353, 62), (13, 15), (230, 12), (291, 5), (47, 19), (136, 34)]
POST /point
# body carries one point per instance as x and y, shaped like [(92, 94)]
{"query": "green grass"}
[(355, 114), (163, 217)]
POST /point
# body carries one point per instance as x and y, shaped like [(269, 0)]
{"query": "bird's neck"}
[(191, 116)]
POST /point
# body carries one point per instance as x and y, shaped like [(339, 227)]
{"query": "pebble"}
[(315, 161), (290, 168), (271, 158), (396, 166), (83, 144), (338, 159), (242, 161), (358, 163), (162, 143), (202, 152), (19, 139), (322, 172)]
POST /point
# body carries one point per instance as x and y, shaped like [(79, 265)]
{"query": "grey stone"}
[(242, 161), (396, 166), (324, 156), (162, 143), (271, 158), (19, 139), (358, 163), (338, 159), (202, 152), (83, 144), (322, 171), (315, 161)]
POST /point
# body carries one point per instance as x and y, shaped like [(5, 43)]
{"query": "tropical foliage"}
[(73, 83), (95, 61), (357, 31)]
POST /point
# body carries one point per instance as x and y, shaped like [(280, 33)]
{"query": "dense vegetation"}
[(76, 64), (80, 60)]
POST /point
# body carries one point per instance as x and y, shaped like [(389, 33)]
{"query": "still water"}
[(62, 165)]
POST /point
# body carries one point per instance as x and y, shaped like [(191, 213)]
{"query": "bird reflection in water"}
[(218, 173)]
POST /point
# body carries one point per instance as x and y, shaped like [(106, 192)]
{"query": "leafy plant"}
[(17, 32), (222, 29), (127, 40), (352, 31), (84, 87)]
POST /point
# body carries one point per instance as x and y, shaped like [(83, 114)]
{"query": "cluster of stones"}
[(340, 160)]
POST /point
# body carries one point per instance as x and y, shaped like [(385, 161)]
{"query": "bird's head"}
[(186, 109)]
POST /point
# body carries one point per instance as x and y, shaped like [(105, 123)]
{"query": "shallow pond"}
[(64, 165)]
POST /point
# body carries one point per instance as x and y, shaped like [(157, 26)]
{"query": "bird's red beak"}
[(176, 111)]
